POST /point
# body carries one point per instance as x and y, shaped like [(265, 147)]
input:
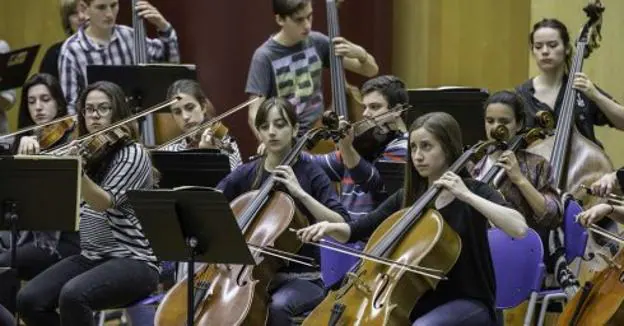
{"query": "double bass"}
[(235, 294), (576, 160), (382, 294)]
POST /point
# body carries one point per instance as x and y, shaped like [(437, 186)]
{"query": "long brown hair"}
[(287, 112), (446, 131)]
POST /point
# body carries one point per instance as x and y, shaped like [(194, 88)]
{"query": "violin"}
[(96, 149), (237, 294), (219, 133), (51, 135), (219, 129), (381, 294)]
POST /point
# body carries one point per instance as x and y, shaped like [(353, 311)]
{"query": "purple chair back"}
[(334, 265), (575, 235), (518, 266)]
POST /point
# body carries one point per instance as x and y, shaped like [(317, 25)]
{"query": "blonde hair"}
[(68, 8)]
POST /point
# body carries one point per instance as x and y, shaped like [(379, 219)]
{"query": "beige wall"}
[(456, 42), (605, 66), (28, 22)]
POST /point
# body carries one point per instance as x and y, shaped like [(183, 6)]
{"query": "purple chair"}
[(575, 241), (334, 265), (519, 269)]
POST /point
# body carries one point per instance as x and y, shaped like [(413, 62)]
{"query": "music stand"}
[(191, 225), (463, 103), (392, 173), (146, 85), (15, 66), (25, 200), (197, 167)]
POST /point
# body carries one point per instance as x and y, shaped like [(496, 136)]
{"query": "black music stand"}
[(146, 85), (15, 66), (197, 167), (27, 195), (463, 103), (192, 224), (392, 173)]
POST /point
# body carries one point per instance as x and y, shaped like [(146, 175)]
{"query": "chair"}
[(575, 241), (519, 269), (334, 265)]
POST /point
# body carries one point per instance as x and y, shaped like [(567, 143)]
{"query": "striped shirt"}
[(233, 153), (79, 51), (362, 188), (116, 232)]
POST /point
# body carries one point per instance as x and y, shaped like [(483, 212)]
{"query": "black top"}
[(586, 111), (472, 276), (49, 63)]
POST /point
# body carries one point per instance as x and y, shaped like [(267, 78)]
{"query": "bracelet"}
[(612, 209)]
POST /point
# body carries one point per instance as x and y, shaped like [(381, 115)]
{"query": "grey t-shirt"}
[(293, 73)]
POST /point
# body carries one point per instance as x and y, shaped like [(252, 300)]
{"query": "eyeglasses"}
[(101, 110)]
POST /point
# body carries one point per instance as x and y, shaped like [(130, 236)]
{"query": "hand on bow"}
[(605, 185)]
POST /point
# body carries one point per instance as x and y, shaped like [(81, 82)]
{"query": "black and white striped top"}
[(116, 233), (233, 153)]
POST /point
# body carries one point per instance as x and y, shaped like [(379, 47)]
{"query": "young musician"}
[(116, 266), (289, 63), (361, 185), (37, 250), (102, 42), (192, 110), (296, 289), (72, 16), (551, 48), (467, 205), (527, 185), (43, 102)]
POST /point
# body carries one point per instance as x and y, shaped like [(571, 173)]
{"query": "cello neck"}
[(338, 88), (140, 45)]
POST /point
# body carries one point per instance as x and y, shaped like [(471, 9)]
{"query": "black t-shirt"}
[(587, 112), (472, 276)]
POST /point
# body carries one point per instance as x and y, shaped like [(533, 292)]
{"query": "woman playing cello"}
[(295, 289), (467, 297), (116, 266)]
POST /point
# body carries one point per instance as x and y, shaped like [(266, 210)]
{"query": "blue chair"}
[(335, 265), (575, 241), (519, 269)]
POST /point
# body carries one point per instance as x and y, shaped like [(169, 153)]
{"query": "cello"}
[(379, 294), (235, 294), (601, 300)]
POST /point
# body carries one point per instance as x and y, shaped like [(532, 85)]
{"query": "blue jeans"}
[(293, 298), (77, 286), (463, 312)]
